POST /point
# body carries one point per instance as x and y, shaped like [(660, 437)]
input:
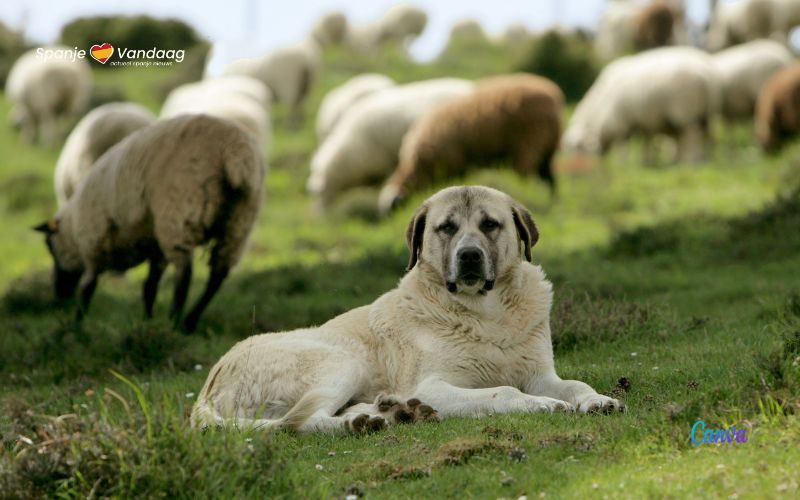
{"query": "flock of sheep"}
[(132, 187)]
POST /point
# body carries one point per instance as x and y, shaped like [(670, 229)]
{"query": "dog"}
[(466, 333)]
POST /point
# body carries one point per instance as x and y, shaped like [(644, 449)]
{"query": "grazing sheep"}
[(363, 147), (338, 101), (155, 196), (330, 29), (742, 71), (401, 25), (240, 99), (514, 118), (467, 31), (669, 90), (733, 23), (288, 73), (778, 109), (627, 25), (43, 91), (100, 129)]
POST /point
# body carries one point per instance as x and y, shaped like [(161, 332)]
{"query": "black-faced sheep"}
[(43, 90), (514, 118), (778, 109), (100, 129), (155, 196)]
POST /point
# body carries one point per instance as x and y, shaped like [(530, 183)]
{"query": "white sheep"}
[(43, 91), (155, 196), (401, 25), (628, 25), (364, 146), (288, 73), (733, 23), (743, 70), (338, 101), (100, 129), (241, 99), (670, 90), (330, 29)]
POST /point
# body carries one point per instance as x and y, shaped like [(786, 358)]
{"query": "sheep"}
[(100, 129), (288, 73), (513, 118), (240, 99), (467, 31), (515, 34), (401, 25), (627, 25), (739, 22), (742, 71), (155, 196), (669, 90), (338, 101), (363, 147), (330, 29), (44, 90), (778, 109)]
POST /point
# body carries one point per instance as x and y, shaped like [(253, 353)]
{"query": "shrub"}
[(564, 58)]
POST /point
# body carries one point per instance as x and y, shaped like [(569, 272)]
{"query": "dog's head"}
[(470, 236)]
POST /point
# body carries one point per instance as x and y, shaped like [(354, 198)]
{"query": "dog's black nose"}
[(469, 255)]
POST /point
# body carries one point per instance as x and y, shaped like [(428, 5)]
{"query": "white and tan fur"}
[(467, 337)]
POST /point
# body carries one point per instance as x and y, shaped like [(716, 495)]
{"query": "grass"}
[(676, 289)]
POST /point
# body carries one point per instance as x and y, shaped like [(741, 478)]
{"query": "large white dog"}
[(467, 332)]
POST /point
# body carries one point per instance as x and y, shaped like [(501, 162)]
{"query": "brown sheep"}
[(513, 118), (654, 25), (778, 109)]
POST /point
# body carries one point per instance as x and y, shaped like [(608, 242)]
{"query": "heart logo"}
[(102, 53)]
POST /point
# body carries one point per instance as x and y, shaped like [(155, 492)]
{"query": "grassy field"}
[(677, 289)]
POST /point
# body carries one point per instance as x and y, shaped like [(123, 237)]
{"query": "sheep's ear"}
[(47, 227), (526, 228), (416, 228)]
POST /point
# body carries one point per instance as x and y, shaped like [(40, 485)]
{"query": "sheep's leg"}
[(183, 277), (86, 288), (157, 266), (218, 275), (545, 173)]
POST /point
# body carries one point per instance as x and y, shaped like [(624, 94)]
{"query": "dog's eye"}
[(447, 228), (489, 225)]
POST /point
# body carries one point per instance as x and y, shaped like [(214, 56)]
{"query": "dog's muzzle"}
[(470, 264)]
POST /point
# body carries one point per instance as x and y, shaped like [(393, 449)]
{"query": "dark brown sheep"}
[(778, 109), (514, 118)]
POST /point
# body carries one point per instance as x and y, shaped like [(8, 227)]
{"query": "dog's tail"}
[(204, 415)]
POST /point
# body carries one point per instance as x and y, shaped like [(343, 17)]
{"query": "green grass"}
[(677, 289)]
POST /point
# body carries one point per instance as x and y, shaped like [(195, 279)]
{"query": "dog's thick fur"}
[(467, 331)]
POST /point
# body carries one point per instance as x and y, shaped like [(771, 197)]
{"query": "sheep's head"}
[(66, 271)]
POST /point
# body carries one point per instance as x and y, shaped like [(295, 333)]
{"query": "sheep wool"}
[(339, 100), (100, 129), (514, 118), (155, 196)]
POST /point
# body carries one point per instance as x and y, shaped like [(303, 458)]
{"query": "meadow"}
[(677, 289)]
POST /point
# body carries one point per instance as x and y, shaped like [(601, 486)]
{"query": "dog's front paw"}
[(597, 403), (400, 412), (545, 404), (364, 423)]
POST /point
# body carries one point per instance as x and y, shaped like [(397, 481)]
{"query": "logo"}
[(102, 53), (700, 435)]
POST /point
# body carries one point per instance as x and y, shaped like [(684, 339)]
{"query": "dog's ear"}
[(47, 227), (526, 228), (416, 228)]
